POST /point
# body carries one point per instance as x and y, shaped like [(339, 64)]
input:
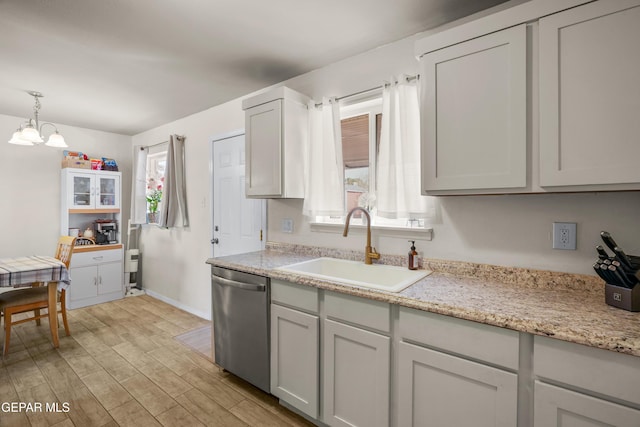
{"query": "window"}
[(156, 165), (360, 127)]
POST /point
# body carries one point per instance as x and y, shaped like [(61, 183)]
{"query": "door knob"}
[(214, 241)]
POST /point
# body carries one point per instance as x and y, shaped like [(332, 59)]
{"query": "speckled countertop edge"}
[(559, 305)]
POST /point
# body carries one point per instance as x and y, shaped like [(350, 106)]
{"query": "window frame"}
[(154, 157), (370, 104)]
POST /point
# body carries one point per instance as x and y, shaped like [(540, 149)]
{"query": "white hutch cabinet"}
[(96, 270)]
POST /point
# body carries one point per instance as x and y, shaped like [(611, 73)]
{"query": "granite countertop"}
[(574, 311)]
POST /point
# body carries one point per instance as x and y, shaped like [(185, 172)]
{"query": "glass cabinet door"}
[(82, 191), (108, 192)]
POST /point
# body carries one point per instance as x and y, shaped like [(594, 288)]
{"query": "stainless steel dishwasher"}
[(241, 324)]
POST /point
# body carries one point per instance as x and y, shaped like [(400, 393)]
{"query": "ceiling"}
[(126, 66)]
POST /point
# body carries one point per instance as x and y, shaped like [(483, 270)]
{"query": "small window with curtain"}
[(156, 166)]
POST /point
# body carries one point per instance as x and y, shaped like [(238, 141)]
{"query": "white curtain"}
[(398, 180), (139, 186), (324, 177), (174, 201)]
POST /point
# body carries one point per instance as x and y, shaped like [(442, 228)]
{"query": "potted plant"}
[(154, 196)]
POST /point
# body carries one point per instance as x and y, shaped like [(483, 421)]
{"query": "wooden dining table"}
[(29, 270)]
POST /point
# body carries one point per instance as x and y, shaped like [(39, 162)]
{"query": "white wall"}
[(30, 184), (504, 230)]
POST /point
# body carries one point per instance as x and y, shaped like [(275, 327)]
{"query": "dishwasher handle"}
[(241, 285)]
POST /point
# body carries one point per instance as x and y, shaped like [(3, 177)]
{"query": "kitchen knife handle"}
[(608, 240), (602, 254), (596, 267), (624, 259)]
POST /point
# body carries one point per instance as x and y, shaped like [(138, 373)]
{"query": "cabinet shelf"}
[(94, 211)]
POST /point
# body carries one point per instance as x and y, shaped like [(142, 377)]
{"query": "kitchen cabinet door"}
[(276, 128), (110, 278), (356, 376), (107, 191), (555, 406), (437, 389), (84, 284), (81, 190), (474, 115), (264, 149), (295, 358), (590, 96)]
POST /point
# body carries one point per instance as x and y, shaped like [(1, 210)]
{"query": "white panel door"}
[(295, 358), (356, 376), (590, 95), (439, 390), (238, 222), (474, 123), (263, 125), (558, 407)]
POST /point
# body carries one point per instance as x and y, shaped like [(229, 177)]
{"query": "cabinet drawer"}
[(297, 296), (97, 257), (358, 311), (483, 342), (598, 370)]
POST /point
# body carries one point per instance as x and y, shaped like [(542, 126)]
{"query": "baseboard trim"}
[(179, 305)]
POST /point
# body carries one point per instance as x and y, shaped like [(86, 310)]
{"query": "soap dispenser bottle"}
[(413, 256)]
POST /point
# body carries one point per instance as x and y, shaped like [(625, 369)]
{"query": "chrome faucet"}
[(369, 252)]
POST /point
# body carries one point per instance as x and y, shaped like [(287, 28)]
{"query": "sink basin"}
[(377, 276)]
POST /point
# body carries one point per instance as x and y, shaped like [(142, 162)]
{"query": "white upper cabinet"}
[(91, 189), (590, 96), (276, 127), (474, 115)]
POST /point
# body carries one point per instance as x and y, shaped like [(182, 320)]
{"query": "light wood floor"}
[(123, 366)]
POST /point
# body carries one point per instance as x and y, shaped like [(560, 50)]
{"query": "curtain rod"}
[(340, 98), (142, 147)]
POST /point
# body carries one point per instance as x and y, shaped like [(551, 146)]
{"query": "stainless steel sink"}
[(376, 276)]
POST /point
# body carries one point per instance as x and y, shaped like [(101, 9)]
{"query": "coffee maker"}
[(108, 229)]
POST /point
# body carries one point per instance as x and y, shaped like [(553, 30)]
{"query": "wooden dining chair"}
[(35, 298)]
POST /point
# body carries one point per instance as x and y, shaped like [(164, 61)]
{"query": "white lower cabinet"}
[(295, 358), (558, 407), (437, 389), (356, 376), (96, 277), (592, 387), (446, 384)]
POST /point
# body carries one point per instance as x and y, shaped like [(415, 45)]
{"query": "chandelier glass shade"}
[(30, 133)]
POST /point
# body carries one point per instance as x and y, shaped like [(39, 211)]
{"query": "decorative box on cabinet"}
[(589, 97), (276, 128), (474, 115)]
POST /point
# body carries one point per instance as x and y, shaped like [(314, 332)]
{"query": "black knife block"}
[(621, 297)]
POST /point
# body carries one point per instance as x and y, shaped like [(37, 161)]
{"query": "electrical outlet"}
[(287, 225), (564, 235)]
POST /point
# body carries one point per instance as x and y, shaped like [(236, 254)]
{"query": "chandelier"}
[(30, 132)]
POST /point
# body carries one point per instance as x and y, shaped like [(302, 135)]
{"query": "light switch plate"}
[(287, 225), (564, 235)]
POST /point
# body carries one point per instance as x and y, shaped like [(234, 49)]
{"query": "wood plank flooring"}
[(134, 362)]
